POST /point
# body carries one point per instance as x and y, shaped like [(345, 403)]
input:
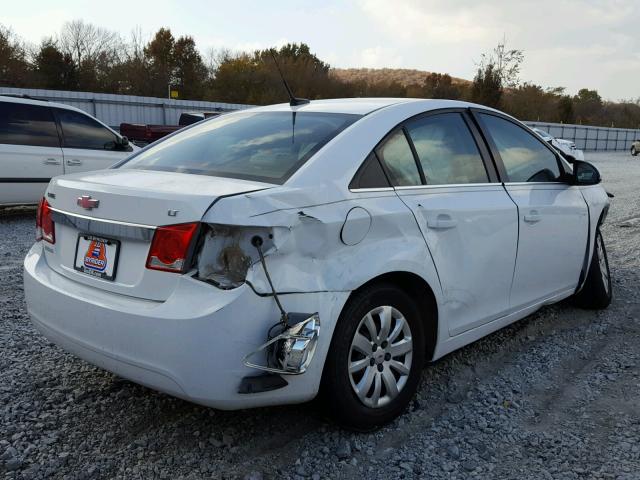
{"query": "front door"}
[(87, 144), (552, 215)]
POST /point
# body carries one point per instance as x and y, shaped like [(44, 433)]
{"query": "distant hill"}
[(404, 76)]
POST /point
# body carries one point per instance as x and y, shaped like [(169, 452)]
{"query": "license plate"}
[(97, 256)]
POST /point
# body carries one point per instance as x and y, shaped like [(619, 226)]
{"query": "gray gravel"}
[(553, 396)]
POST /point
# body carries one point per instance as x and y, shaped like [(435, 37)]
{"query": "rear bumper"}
[(190, 346)]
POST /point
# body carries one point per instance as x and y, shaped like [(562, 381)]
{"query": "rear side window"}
[(525, 157), (370, 174), (82, 131), (24, 124), (396, 155), (446, 150), (262, 146)]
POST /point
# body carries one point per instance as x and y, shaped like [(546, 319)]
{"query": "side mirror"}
[(585, 174)]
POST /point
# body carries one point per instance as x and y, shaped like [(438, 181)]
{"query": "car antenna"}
[(293, 100)]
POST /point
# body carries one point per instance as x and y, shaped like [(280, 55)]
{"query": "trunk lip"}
[(103, 220), (104, 228)]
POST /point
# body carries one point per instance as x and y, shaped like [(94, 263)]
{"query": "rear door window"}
[(396, 155), (24, 124), (82, 131), (446, 149)]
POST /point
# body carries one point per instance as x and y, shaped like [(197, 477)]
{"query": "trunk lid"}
[(131, 204)]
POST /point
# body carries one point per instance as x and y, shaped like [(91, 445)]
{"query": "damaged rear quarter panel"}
[(308, 255)]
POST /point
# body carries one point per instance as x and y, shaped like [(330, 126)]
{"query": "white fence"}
[(591, 138), (116, 109)]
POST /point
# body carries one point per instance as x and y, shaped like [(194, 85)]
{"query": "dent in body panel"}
[(597, 203), (307, 253)]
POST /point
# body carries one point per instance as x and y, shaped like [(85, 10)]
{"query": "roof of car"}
[(35, 101), (360, 106)]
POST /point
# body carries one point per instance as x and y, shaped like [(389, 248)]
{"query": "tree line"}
[(85, 57)]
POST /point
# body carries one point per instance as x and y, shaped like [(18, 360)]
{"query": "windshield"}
[(262, 146)]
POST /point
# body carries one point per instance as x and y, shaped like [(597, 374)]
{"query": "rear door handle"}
[(442, 222), (533, 217), (74, 161), (51, 161)]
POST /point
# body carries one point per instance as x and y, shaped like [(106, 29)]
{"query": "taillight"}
[(45, 228), (170, 247)]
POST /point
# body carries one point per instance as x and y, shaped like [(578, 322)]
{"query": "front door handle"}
[(442, 222), (51, 161), (74, 161)]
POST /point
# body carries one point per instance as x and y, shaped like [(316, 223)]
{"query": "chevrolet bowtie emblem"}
[(86, 202)]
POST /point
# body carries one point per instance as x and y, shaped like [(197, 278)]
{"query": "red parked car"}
[(142, 134)]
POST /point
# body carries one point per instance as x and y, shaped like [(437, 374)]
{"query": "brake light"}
[(170, 247), (45, 228), (39, 221)]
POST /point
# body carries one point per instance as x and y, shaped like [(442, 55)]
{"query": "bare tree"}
[(214, 57), (86, 42), (135, 48), (505, 63)]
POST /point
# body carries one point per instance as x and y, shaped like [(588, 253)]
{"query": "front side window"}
[(82, 131), (396, 155), (24, 124), (525, 157), (262, 146), (446, 149)]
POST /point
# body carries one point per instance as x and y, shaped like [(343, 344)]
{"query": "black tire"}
[(596, 293), (338, 393)]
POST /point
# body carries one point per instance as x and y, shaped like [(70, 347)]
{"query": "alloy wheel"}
[(380, 356)]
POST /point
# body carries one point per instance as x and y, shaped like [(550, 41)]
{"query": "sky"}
[(575, 44)]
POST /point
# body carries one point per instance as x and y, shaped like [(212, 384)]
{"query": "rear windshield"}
[(263, 146)]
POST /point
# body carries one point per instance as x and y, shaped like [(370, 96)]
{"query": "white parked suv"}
[(267, 255), (565, 146), (40, 140)]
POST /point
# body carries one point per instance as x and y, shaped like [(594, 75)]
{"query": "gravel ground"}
[(553, 396)]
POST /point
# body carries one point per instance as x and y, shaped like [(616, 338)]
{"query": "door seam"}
[(515, 263)]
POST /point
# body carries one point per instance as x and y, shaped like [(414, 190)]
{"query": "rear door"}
[(440, 170), (553, 216), (30, 153), (87, 144)]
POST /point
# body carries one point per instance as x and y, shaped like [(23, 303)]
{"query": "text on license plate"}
[(97, 256)]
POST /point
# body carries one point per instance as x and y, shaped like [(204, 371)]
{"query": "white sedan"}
[(264, 256), (565, 146)]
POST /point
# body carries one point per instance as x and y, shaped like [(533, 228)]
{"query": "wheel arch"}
[(418, 289), (598, 207)]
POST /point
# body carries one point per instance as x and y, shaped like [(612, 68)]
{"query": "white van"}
[(40, 140)]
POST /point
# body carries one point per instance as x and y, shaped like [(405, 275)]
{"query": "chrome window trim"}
[(102, 227), (371, 189), (516, 184), (448, 185)]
